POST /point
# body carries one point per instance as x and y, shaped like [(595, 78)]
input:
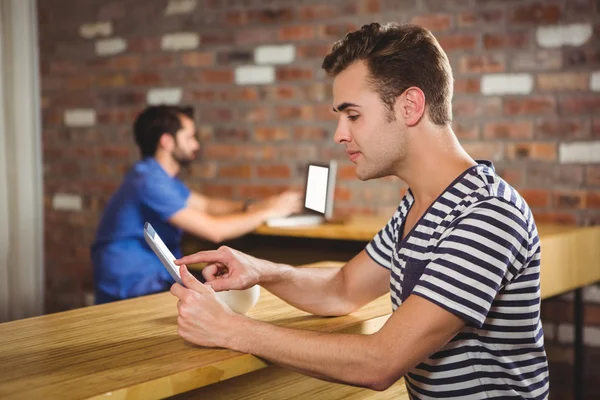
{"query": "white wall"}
[(21, 190)]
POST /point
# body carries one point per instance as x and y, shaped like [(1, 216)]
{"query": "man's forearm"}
[(319, 291), (217, 206), (351, 359)]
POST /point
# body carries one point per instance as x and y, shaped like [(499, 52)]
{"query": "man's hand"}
[(229, 269), (280, 205), (203, 319)]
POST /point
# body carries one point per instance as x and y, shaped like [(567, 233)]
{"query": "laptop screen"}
[(320, 185), (316, 188)]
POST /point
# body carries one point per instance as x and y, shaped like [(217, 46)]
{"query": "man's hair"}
[(154, 121), (398, 56)]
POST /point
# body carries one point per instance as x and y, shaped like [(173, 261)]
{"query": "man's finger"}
[(190, 281), (209, 272), (210, 256), (177, 290)]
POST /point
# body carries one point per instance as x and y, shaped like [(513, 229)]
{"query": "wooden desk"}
[(130, 349)]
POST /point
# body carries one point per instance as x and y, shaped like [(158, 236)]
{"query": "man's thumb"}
[(190, 280)]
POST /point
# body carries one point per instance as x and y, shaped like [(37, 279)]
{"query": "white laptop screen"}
[(316, 188)]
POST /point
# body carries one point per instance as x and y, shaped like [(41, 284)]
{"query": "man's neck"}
[(434, 161), (167, 162)]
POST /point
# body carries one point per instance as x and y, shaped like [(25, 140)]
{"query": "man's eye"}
[(352, 117)]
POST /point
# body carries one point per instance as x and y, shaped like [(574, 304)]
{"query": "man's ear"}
[(167, 141), (411, 105)]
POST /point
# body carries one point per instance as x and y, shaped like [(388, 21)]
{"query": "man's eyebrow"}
[(343, 106)]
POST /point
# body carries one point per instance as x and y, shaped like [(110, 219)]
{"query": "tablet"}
[(162, 251)]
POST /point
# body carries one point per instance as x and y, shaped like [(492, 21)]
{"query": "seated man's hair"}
[(398, 56), (153, 122)]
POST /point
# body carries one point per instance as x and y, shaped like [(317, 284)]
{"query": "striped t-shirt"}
[(476, 253)]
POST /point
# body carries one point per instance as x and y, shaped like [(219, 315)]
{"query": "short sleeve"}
[(164, 197), (381, 247), (475, 258)]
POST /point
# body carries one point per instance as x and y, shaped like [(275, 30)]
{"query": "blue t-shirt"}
[(124, 265)]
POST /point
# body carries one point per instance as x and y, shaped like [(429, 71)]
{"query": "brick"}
[(164, 96), (128, 62), (529, 106), (532, 151), (257, 114), (240, 94), (542, 174), (217, 114), (235, 171), (506, 84), (508, 130), (297, 152), (143, 44), (434, 22), (180, 41), (591, 294), (263, 134), (560, 218), (283, 54), (79, 82), (342, 194), (275, 171), (568, 199), (260, 152), (467, 85), (405, 5), (218, 38), (346, 173), (561, 128), (236, 134), (93, 30), (472, 107), (563, 81), (313, 133), (336, 31), (261, 16), (295, 112), (202, 95), (455, 42), (465, 130), (114, 152), (592, 200), (311, 51), (536, 197), (515, 40), (110, 80), (584, 104), (215, 151), (109, 47), (316, 11), (535, 14), (80, 117), (483, 63), (563, 35), (324, 112), (216, 76), (592, 175), (369, 6), (293, 74), (176, 7), (480, 18), (577, 57), (296, 33), (67, 202), (145, 79), (254, 75), (198, 59), (235, 56), (253, 36), (540, 60), (260, 191), (595, 81), (218, 190), (512, 175)]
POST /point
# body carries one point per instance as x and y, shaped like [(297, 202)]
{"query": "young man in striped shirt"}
[(460, 256)]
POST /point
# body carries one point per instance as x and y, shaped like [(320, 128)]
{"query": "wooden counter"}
[(130, 349)]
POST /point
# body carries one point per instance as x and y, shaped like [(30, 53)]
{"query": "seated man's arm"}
[(213, 205), (218, 229)]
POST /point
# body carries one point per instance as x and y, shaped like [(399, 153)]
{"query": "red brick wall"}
[(527, 97)]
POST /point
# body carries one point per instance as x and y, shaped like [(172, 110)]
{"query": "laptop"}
[(318, 198)]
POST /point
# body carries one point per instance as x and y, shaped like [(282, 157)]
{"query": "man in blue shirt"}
[(124, 265)]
